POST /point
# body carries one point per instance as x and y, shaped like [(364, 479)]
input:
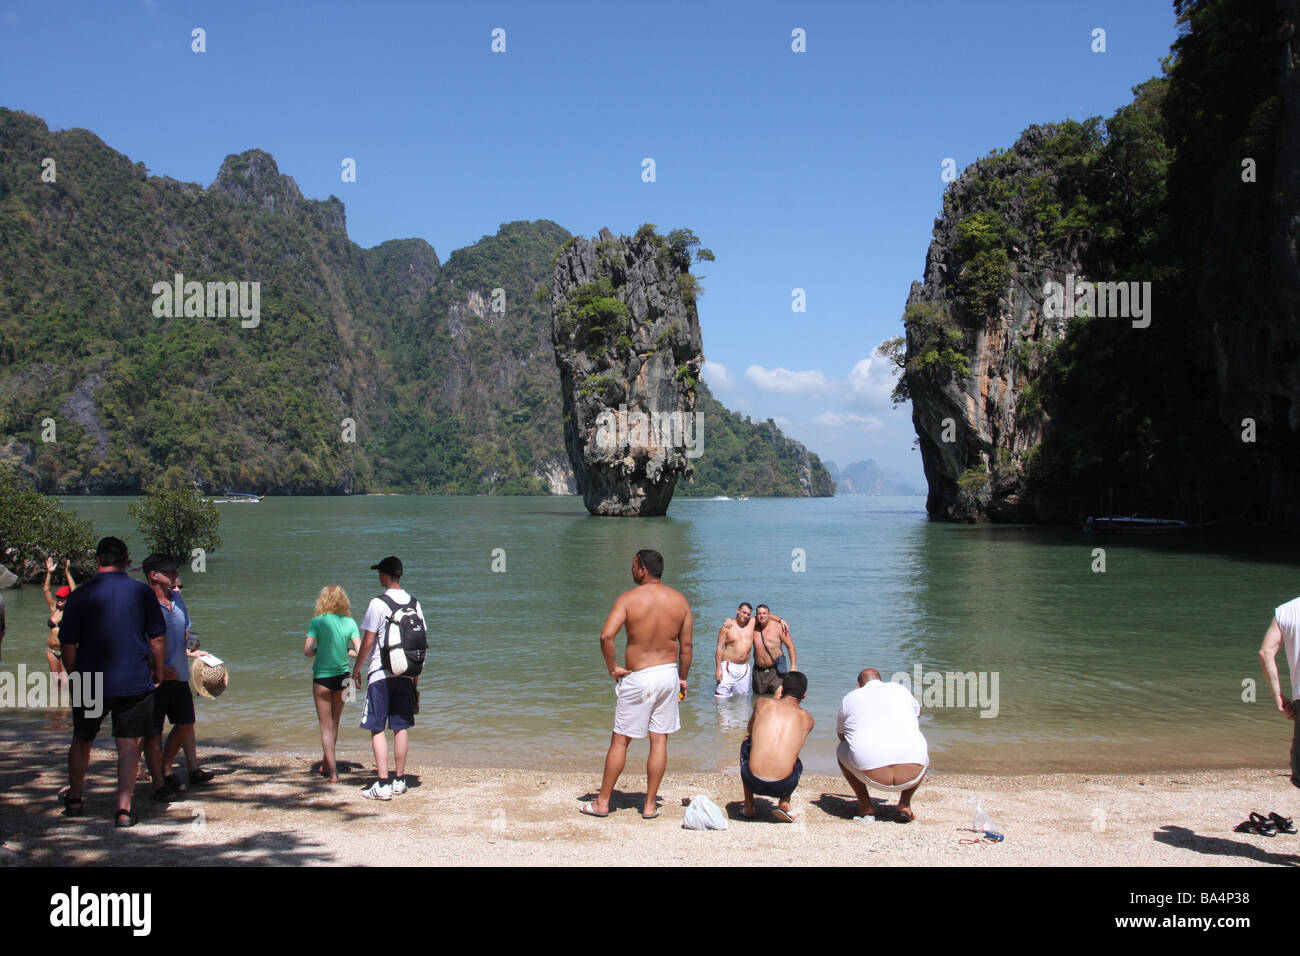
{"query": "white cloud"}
[(871, 382), (847, 421), (716, 374), (786, 382), (782, 422)]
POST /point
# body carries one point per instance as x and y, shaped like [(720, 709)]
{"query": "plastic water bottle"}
[(983, 823)]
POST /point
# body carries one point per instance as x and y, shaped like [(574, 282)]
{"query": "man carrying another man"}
[(881, 745), (769, 757)]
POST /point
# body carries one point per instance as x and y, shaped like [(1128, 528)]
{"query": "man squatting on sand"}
[(731, 660), (648, 689), (769, 757), (881, 744)]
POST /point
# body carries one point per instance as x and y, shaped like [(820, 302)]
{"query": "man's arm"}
[(717, 656), (788, 643), (613, 624), (684, 642), (157, 650), (1268, 660), (367, 644)]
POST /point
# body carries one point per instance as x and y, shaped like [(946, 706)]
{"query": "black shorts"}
[(331, 683), (781, 789), (174, 702), (766, 680), (132, 717)]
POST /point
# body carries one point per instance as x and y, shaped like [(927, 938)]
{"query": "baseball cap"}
[(391, 566), (63, 592)]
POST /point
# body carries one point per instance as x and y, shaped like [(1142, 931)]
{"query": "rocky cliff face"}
[(976, 335), (627, 344)]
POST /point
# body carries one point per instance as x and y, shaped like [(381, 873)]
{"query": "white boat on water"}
[(239, 497)]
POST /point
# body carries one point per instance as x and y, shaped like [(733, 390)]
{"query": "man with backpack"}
[(394, 641)]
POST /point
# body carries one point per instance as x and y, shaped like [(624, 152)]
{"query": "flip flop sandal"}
[(649, 816), (1283, 824), (1258, 825), (165, 794), (783, 815), (125, 818), (174, 782), (201, 776), (589, 810)]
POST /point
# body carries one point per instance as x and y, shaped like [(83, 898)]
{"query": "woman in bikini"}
[(53, 649), (332, 639)]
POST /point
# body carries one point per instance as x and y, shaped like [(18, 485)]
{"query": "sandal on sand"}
[(590, 810), (1283, 824), (902, 816), (650, 816), (72, 808), (783, 815), (1257, 824), (174, 782), (126, 818), (201, 776), (164, 794)]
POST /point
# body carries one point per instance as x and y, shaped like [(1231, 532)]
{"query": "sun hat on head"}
[(207, 680)]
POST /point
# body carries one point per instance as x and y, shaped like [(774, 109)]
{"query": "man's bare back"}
[(778, 729), (658, 623)]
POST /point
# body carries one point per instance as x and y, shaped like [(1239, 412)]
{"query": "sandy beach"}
[(271, 808)]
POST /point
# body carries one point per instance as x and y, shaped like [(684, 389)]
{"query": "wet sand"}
[(271, 808)]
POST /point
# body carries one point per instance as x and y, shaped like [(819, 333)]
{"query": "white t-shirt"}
[(376, 619), (879, 720), (1288, 619)]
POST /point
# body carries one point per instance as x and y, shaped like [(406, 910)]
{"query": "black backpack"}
[(403, 643)]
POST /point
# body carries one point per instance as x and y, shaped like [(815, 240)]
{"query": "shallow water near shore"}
[(1141, 668)]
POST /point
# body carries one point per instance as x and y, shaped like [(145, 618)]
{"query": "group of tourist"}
[(135, 635), (881, 744)]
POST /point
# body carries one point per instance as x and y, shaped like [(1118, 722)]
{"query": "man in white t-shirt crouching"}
[(390, 700), (1283, 632), (881, 744)]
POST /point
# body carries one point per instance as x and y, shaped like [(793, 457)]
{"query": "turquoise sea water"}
[(1141, 667)]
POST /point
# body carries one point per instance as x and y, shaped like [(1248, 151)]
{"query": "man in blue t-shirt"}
[(173, 700), (112, 626)]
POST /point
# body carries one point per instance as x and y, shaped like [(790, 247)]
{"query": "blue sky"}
[(816, 170)]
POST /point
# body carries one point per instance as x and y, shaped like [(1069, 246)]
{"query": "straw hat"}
[(206, 680)]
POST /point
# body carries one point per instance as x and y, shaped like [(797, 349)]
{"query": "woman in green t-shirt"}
[(333, 640)]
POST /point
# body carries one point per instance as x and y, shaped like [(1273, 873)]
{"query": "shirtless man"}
[(769, 757), (771, 636), (735, 638), (658, 622)]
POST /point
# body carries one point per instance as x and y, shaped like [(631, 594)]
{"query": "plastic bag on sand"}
[(704, 814)]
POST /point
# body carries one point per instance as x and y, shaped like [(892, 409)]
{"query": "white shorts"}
[(735, 680), (647, 701), (843, 754)]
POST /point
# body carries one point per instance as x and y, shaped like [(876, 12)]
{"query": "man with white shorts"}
[(658, 622), (881, 744), (1284, 632), (735, 638)]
